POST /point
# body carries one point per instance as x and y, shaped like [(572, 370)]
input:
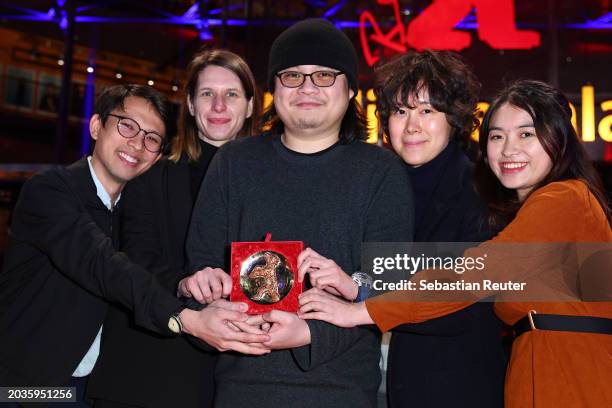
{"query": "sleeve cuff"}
[(303, 354), (167, 305)]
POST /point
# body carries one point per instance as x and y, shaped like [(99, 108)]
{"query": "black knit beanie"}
[(313, 42)]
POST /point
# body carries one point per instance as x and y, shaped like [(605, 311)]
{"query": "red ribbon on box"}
[(265, 275)]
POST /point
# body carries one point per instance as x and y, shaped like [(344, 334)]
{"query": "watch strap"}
[(364, 283)]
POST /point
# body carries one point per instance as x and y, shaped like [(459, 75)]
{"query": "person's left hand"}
[(320, 305), (211, 325), (287, 330), (325, 274)]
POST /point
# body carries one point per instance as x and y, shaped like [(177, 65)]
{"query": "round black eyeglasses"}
[(129, 128)]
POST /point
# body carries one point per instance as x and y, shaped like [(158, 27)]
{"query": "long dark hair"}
[(187, 140), (551, 114)]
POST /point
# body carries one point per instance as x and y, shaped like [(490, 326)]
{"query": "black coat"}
[(59, 271), (135, 366), (455, 360)]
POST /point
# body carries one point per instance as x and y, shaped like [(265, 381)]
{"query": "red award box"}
[(265, 275)]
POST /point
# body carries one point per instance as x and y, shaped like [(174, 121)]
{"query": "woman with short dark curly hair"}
[(450, 84), (426, 103)]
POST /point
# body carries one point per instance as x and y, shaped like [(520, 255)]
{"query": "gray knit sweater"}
[(333, 201)]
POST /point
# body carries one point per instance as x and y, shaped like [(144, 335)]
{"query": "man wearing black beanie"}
[(315, 41), (310, 178)]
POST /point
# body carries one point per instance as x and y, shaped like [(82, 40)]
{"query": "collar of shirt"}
[(102, 193)]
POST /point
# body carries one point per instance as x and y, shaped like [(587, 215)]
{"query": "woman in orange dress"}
[(540, 188)]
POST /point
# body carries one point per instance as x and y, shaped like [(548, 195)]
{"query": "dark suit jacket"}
[(456, 360), (60, 268), (135, 366)]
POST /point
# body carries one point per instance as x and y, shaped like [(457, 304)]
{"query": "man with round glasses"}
[(129, 128), (60, 268), (310, 178)]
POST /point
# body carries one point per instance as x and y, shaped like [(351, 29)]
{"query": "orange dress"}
[(548, 368)]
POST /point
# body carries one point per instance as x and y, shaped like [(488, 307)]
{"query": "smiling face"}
[(514, 151), (418, 132), (116, 159), (310, 109), (219, 105)]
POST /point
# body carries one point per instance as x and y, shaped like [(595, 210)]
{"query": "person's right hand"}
[(320, 305), (325, 274), (206, 285), (254, 322), (212, 325)]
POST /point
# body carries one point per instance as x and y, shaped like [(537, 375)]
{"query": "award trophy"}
[(264, 275)]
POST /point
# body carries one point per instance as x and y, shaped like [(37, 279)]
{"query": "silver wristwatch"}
[(364, 283), (174, 323)]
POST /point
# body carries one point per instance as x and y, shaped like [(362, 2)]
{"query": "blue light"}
[(191, 18), (63, 24), (220, 10), (88, 103), (468, 22), (349, 24), (41, 17), (205, 35), (602, 23), (334, 9), (191, 12)]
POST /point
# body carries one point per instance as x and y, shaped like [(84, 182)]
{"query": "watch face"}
[(266, 277), (362, 279), (174, 325)]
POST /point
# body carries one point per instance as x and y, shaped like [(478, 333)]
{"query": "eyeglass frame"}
[(334, 73), (140, 129)]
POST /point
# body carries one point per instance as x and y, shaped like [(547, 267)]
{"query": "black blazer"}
[(57, 275), (137, 367), (455, 360)]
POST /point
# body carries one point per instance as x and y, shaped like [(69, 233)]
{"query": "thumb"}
[(272, 317)]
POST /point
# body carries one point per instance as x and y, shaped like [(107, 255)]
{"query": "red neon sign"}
[(434, 28)]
